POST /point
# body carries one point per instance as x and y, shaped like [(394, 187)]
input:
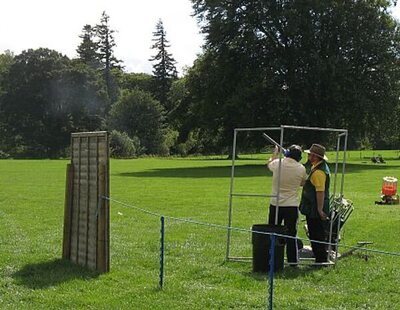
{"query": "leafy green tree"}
[(181, 117), (276, 62), (47, 98), (81, 92), (178, 101), (6, 60), (106, 44), (27, 109), (130, 81), (122, 146), (87, 49), (164, 70), (139, 115)]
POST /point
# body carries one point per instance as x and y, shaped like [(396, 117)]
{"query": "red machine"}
[(389, 192)]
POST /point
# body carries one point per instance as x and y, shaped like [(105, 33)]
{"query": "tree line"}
[(328, 63)]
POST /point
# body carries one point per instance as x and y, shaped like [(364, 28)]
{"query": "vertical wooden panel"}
[(89, 233), (75, 159), (101, 227), (83, 199), (92, 203), (83, 202), (68, 212)]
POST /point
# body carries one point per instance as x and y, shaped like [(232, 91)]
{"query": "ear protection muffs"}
[(286, 152), (294, 152)]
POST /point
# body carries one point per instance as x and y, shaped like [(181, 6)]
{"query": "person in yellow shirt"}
[(315, 201)]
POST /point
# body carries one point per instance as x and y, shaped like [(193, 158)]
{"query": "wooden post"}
[(66, 251), (102, 261)]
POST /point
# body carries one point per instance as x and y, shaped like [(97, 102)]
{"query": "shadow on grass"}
[(199, 172), (287, 273), (226, 158), (240, 171), (47, 274)]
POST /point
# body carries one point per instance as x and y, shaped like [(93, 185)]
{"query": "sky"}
[(57, 24)]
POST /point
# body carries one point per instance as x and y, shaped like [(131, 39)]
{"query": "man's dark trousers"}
[(289, 216), (316, 231)]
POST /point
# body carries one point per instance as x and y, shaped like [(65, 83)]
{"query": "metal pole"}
[(334, 194), (252, 195), (258, 128), (344, 162), (337, 240), (341, 193), (162, 255), (279, 182), (228, 239), (271, 270), (281, 149), (336, 164), (314, 128)]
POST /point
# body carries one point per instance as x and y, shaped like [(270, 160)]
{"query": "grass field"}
[(32, 275)]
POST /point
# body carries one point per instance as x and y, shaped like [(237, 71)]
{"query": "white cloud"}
[(396, 11), (57, 25)]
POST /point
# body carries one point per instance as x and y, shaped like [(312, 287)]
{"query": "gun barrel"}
[(273, 142)]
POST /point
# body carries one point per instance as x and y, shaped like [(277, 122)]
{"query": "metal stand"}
[(340, 132)]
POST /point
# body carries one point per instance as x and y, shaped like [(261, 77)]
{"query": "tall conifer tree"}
[(164, 70), (106, 44), (87, 50)]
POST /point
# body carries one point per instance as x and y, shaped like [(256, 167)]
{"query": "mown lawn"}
[(32, 275)]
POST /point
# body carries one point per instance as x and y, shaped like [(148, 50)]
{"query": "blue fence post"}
[(271, 270), (162, 252)]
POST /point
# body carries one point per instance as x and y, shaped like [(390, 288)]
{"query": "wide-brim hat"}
[(317, 150)]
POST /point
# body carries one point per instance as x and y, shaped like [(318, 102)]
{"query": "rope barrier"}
[(217, 225), (247, 230)]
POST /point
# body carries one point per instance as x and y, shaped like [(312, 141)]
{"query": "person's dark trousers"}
[(316, 231), (289, 216)]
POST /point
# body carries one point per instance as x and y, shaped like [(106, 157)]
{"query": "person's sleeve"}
[(273, 165), (303, 175), (318, 179)]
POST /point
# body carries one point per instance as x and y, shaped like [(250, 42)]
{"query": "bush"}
[(4, 155), (190, 146), (170, 139), (139, 115), (122, 146)]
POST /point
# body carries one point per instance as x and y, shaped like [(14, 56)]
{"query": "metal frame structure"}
[(340, 134)]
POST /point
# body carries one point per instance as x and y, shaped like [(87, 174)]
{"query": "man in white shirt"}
[(292, 176)]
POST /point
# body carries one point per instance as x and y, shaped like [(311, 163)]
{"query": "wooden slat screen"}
[(86, 226)]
